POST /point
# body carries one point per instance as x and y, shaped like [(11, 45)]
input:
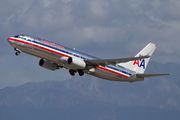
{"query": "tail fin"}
[(139, 66)]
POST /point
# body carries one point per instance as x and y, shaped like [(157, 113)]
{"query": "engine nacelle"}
[(76, 63), (48, 65), (63, 59)]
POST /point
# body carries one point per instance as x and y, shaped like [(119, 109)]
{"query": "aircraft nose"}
[(9, 40)]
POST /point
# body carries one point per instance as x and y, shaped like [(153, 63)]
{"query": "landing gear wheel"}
[(81, 73), (17, 53), (72, 72)]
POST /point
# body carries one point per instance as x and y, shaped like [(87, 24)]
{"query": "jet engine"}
[(48, 65), (76, 63)]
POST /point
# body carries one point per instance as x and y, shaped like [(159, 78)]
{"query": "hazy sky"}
[(103, 28)]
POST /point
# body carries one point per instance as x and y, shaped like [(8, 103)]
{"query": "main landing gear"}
[(17, 51), (72, 72), (81, 73)]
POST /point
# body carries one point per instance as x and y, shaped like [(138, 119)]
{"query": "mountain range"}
[(90, 98)]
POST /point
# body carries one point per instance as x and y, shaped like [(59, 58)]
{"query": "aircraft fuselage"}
[(54, 56)]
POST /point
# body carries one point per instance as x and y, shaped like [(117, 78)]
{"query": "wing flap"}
[(112, 61), (150, 75)]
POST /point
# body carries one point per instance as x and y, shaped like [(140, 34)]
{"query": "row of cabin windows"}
[(60, 50), (19, 36)]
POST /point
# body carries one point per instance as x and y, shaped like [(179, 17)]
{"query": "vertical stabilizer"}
[(139, 66)]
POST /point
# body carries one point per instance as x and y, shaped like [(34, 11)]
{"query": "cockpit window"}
[(19, 36)]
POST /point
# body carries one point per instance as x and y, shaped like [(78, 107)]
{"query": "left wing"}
[(112, 61)]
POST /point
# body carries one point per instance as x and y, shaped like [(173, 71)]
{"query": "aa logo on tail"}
[(140, 62)]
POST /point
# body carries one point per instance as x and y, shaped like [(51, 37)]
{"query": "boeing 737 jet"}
[(54, 56)]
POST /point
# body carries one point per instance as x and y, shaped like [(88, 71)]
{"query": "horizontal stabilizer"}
[(150, 75)]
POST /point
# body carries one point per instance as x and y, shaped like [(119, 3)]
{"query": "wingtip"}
[(168, 74)]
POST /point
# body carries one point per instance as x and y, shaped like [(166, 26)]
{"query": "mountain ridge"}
[(89, 97)]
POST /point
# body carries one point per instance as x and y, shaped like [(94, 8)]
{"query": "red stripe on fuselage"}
[(103, 68), (32, 44)]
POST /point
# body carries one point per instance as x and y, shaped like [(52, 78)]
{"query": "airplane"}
[(55, 56)]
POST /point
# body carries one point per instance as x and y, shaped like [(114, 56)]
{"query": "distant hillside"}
[(88, 97)]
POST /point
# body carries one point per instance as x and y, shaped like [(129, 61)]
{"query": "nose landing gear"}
[(17, 51)]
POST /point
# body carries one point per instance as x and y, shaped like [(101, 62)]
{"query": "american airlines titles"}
[(52, 44)]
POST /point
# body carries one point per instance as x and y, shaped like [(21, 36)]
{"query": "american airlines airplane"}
[(54, 56)]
